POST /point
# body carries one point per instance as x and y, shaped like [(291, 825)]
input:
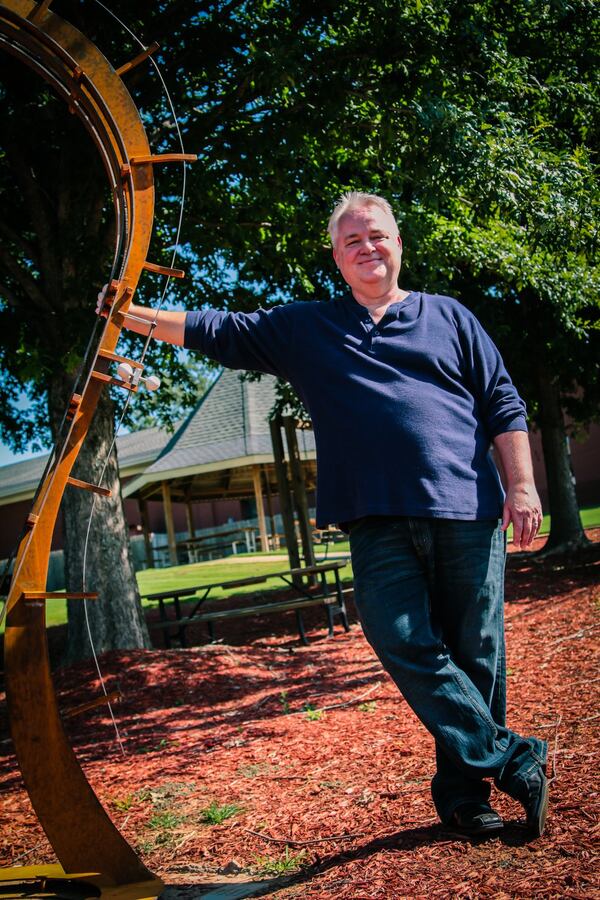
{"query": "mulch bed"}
[(334, 797)]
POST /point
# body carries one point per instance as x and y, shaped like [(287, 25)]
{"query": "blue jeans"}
[(430, 597)]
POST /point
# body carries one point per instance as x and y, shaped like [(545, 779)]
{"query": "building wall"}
[(12, 518), (206, 515), (585, 460)]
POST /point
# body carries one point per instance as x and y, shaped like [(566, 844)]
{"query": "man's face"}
[(368, 250)]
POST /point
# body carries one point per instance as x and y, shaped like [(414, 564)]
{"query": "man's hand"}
[(164, 325), (523, 508), (101, 309)]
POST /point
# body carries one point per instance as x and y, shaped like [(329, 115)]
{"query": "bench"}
[(219, 544), (174, 627)]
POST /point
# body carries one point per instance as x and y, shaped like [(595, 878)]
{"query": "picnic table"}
[(173, 621), (326, 536), (217, 543)]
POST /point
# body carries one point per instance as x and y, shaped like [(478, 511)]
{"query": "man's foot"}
[(476, 818), (536, 802)]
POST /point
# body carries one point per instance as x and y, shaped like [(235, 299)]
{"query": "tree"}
[(453, 111), (522, 230)]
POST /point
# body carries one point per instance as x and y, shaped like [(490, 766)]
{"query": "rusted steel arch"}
[(78, 828)]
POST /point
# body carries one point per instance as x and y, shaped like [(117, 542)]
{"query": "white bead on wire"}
[(134, 376)]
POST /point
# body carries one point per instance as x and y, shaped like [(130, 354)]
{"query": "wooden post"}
[(299, 489), (166, 494), (39, 10), (260, 508), (189, 519), (274, 542), (285, 497), (143, 504)]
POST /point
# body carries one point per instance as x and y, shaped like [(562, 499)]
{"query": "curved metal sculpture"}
[(79, 830)]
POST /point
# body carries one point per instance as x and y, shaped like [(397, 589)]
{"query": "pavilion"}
[(229, 448)]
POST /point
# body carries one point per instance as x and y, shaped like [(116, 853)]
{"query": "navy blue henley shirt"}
[(404, 411)]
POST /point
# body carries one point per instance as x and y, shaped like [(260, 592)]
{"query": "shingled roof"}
[(228, 429), (19, 480)]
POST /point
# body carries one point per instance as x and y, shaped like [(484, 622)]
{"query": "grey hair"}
[(354, 200)]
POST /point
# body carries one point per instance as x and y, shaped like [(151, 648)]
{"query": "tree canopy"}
[(478, 121)]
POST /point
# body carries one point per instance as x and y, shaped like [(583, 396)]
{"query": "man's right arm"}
[(165, 325), (260, 341)]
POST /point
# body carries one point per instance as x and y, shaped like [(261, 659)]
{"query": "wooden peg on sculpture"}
[(128, 66), (74, 404)]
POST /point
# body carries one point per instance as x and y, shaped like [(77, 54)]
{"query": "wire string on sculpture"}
[(125, 370)]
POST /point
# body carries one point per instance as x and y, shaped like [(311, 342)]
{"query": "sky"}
[(7, 456)]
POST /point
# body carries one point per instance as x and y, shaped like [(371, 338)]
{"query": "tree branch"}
[(24, 279), (20, 241), (38, 211)]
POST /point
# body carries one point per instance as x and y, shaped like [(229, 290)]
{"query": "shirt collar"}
[(394, 309)]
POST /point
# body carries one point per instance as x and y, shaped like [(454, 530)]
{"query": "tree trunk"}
[(566, 529), (299, 489), (285, 495), (100, 561)]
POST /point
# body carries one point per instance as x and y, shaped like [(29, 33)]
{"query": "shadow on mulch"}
[(513, 835), (234, 632), (95, 738), (530, 580)]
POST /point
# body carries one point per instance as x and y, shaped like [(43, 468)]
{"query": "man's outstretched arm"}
[(169, 325), (260, 341), (522, 505)]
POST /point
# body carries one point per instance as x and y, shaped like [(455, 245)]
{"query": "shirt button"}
[(375, 332)]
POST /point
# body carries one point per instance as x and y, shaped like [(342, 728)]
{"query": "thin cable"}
[(152, 326), (100, 676)]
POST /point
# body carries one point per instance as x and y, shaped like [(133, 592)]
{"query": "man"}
[(406, 393)]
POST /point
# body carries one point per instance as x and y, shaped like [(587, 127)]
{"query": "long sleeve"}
[(501, 407), (260, 341)]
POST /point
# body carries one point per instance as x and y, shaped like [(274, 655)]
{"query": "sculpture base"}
[(51, 882)]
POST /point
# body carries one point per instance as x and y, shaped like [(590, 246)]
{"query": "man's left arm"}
[(522, 504), (504, 415)]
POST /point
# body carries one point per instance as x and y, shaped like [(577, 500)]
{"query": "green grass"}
[(154, 580), (590, 517), (217, 813), (151, 581), (164, 821), (284, 864)]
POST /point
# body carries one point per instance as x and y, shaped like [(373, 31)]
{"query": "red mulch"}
[(346, 793)]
